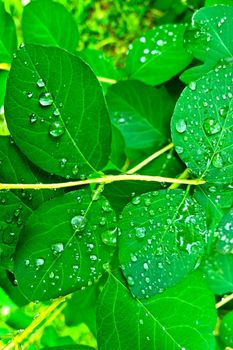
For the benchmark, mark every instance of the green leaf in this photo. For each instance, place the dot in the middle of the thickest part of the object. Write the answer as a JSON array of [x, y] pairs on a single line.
[[202, 126], [13, 214], [162, 239], [183, 317], [210, 38], [139, 112], [56, 112], [102, 66], [3, 79], [225, 234], [226, 329], [209, 3], [10, 289], [118, 156], [48, 23], [8, 40], [158, 55], [65, 245], [215, 200], [15, 168], [218, 272], [70, 347]]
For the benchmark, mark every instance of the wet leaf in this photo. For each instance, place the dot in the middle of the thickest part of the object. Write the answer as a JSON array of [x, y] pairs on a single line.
[[158, 55], [162, 238], [56, 112], [202, 126], [160, 322], [226, 329], [65, 245], [8, 40]]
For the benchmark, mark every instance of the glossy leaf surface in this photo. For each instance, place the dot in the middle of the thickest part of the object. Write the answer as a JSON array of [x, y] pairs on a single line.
[[56, 112], [8, 40]]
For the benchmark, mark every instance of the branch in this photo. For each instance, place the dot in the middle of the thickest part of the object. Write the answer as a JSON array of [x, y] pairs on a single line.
[[224, 301]]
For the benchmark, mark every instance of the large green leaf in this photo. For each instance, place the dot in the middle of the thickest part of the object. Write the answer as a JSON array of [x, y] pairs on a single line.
[[183, 317], [56, 112], [46, 22], [65, 245], [13, 214], [162, 239], [210, 39], [140, 112], [8, 39], [202, 126], [218, 272], [15, 168], [158, 55]]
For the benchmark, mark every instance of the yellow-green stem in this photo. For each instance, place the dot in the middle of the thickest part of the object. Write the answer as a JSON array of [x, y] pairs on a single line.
[[224, 301], [107, 80], [102, 180], [184, 175]]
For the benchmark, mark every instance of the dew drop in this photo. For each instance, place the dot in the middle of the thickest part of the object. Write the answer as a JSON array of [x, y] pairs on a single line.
[[217, 161], [223, 111], [57, 248], [192, 85], [56, 129], [130, 281], [39, 262], [56, 112], [136, 200], [29, 94], [40, 83], [211, 126], [109, 237], [75, 170], [181, 126], [78, 223], [33, 118], [140, 232], [45, 99]]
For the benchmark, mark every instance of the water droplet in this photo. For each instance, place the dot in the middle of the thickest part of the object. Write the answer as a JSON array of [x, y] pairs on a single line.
[[192, 85], [217, 161], [160, 42], [140, 232], [29, 94], [78, 223], [223, 111], [130, 281], [56, 129], [56, 112], [39, 262], [181, 126], [75, 170], [211, 126], [33, 118], [57, 248], [45, 99], [40, 83], [109, 237], [27, 262], [179, 149], [136, 200], [63, 162]]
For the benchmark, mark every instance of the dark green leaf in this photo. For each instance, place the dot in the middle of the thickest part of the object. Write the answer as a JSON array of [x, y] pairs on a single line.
[[56, 112], [70, 347], [202, 126], [8, 40], [11, 289], [162, 239], [46, 22], [140, 112], [210, 38], [102, 67], [183, 317], [15, 168], [158, 55], [65, 245], [225, 234], [13, 214], [3, 78]]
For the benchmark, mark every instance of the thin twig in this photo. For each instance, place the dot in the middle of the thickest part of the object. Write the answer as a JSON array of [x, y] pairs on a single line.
[[224, 301]]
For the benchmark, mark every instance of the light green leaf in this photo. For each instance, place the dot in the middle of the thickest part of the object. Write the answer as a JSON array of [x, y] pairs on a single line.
[[8, 40], [65, 245], [226, 329], [158, 55], [162, 239], [56, 112], [183, 317], [218, 272], [210, 39], [45, 22], [139, 112], [225, 234], [202, 126], [15, 168]]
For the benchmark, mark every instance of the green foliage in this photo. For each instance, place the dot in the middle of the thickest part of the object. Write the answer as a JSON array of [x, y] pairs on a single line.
[[132, 264]]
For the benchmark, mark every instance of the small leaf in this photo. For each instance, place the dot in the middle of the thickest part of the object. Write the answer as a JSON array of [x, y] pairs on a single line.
[[48, 23], [13, 214], [162, 239], [210, 39], [158, 55], [140, 113], [183, 317], [65, 245], [8, 40], [15, 168], [202, 126], [56, 112]]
